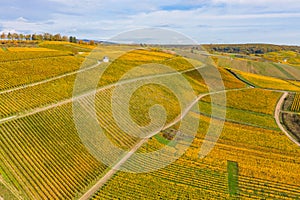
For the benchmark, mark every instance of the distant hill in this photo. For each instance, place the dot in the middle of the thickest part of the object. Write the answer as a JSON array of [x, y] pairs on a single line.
[[249, 48]]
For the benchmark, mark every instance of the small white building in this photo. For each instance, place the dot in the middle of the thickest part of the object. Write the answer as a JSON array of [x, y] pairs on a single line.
[[106, 59]]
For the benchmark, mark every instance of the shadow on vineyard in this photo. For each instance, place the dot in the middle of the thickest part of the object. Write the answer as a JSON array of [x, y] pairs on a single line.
[[292, 123]]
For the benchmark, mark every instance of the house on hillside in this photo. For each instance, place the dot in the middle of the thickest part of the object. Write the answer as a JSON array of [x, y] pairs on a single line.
[[106, 59]]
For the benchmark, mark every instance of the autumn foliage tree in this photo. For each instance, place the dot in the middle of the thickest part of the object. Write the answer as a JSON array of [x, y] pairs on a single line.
[[3, 36], [92, 42], [37, 37]]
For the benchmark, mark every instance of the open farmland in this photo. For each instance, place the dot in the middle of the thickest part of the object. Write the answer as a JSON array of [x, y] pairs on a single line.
[[43, 155]]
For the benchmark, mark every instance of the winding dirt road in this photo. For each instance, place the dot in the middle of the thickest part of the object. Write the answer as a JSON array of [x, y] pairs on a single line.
[[277, 117], [114, 170], [278, 108]]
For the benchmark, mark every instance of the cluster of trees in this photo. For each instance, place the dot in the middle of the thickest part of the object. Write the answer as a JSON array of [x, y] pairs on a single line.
[[249, 48], [72, 39], [45, 36]]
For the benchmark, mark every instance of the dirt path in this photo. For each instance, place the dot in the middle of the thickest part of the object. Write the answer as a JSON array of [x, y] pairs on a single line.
[[111, 172], [277, 117], [278, 110], [114, 170], [40, 109], [50, 79]]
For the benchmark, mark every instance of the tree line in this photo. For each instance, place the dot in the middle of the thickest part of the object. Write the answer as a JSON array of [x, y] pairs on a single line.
[[37, 37], [250, 48]]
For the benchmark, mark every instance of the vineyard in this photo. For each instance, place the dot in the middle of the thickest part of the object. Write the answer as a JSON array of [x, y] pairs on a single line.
[[42, 118], [180, 180], [269, 82], [41, 137], [7, 56], [66, 46], [290, 57], [272, 69], [297, 83], [296, 103], [17, 73], [43, 157], [241, 109], [27, 49], [194, 178]]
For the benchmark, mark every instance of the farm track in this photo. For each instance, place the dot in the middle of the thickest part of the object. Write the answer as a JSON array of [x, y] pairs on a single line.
[[112, 171], [277, 118], [278, 109], [127, 156], [69, 100]]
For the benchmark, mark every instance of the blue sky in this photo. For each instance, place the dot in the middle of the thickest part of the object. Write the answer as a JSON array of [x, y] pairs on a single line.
[[206, 21]]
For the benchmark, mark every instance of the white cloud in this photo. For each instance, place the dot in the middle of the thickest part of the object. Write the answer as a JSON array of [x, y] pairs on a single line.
[[6, 31], [22, 19], [205, 20], [266, 5], [20, 25], [258, 2]]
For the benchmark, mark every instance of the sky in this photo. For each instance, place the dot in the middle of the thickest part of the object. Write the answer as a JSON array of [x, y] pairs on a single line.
[[206, 21]]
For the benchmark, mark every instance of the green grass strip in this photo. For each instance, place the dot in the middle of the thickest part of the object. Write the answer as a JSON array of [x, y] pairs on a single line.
[[233, 182]]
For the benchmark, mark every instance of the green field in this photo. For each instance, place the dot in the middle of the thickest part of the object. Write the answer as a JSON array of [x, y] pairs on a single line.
[[233, 181]]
